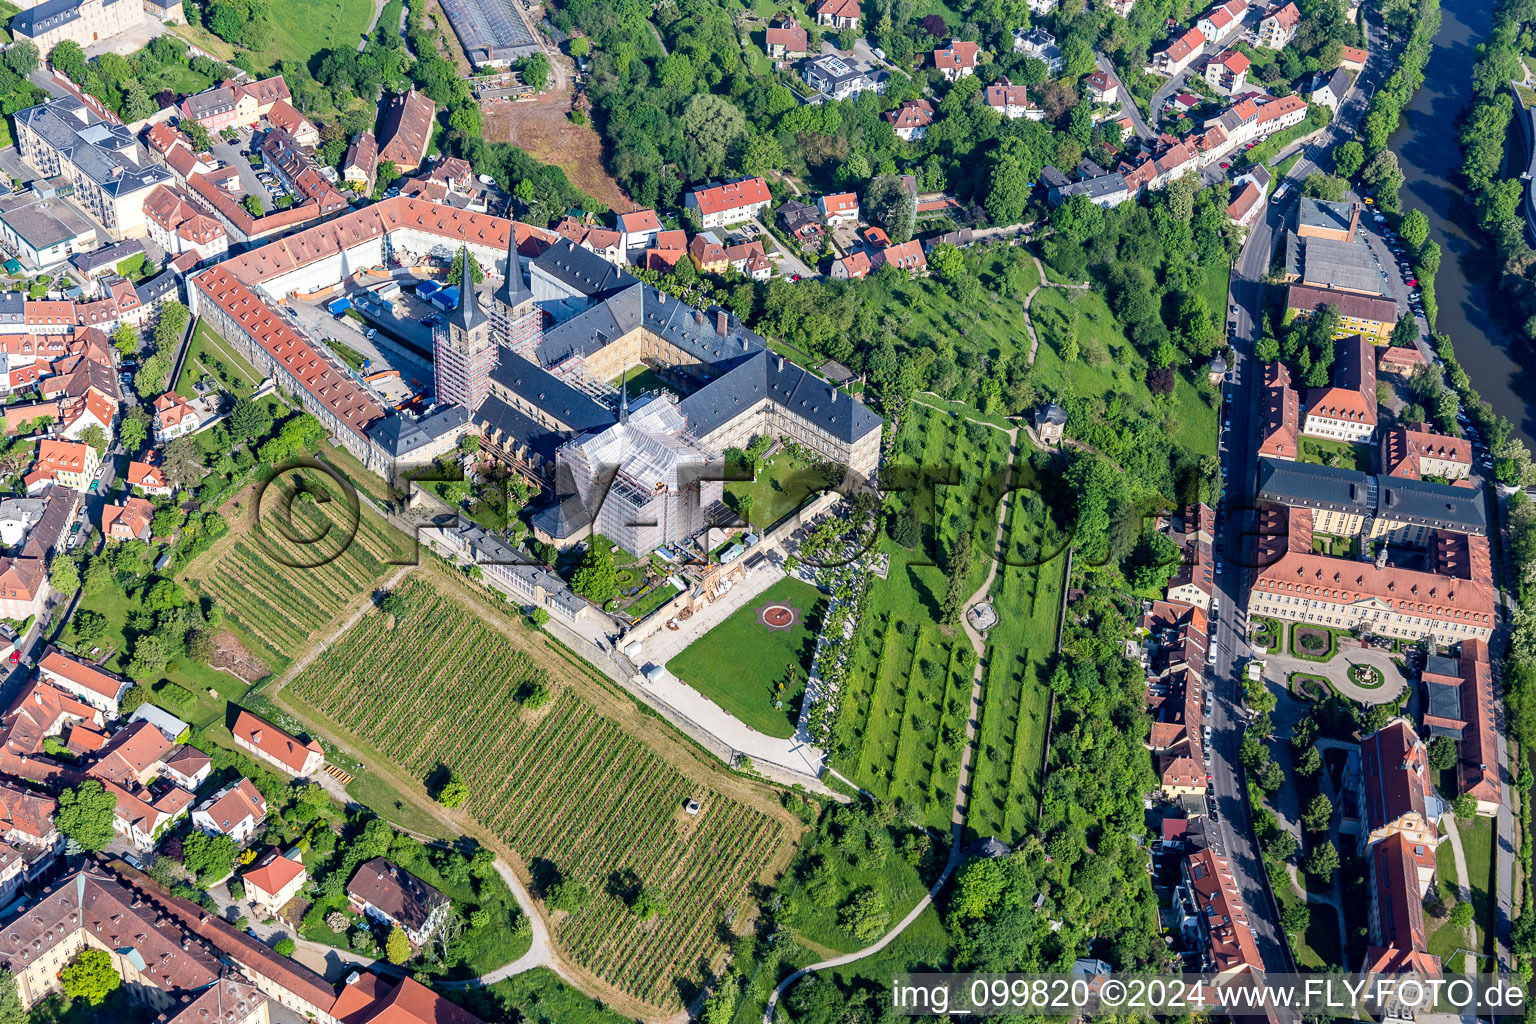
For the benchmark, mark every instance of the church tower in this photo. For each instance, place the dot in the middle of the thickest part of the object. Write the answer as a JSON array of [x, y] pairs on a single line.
[[464, 349], [517, 322]]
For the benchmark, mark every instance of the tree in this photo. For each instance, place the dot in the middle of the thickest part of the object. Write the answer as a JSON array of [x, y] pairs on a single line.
[[1318, 813], [285, 946], [69, 60], [535, 71], [648, 903], [1325, 186], [1414, 229], [90, 977], [182, 462], [1078, 218], [1442, 753], [1464, 807], [150, 656], [208, 856], [96, 436], [1405, 333], [865, 915], [1295, 918], [567, 895], [384, 176], [1384, 177], [1348, 158], [744, 508], [978, 888], [64, 574], [580, 46], [397, 948], [1310, 763], [85, 815], [456, 272], [11, 1011], [249, 419], [712, 126], [253, 206], [1461, 915], [947, 261], [1323, 861], [21, 58], [889, 206], [453, 791], [596, 579]]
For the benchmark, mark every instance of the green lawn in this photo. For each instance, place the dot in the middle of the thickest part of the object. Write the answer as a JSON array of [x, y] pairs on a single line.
[[1336, 453], [901, 728], [536, 996], [783, 484], [745, 667], [1477, 844], [117, 607], [1108, 362], [211, 355], [1445, 939], [301, 29], [894, 879]]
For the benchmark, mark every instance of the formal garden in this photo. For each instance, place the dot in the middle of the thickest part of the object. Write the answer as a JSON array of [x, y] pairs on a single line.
[[1267, 633], [1314, 643]]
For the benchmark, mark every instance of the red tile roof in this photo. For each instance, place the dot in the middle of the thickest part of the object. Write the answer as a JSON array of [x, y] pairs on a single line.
[[911, 114], [340, 395], [274, 742], [85, 676], [732, 195]]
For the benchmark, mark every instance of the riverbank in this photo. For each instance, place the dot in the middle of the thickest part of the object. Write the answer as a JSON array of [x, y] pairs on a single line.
[[1493, 354]]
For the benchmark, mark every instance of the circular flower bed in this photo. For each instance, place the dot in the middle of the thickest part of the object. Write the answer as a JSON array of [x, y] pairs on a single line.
[[1367, 677]]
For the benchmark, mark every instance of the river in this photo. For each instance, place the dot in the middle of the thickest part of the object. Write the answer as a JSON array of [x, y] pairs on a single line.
[[1501, 364]]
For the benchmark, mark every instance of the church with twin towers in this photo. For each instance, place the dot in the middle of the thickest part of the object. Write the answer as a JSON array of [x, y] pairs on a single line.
[[539, 358]]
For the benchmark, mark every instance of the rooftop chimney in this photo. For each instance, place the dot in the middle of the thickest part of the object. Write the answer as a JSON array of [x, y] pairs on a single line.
[[722, 323]]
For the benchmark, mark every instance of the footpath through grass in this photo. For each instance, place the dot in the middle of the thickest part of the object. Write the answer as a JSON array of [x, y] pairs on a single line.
[[746, 666]]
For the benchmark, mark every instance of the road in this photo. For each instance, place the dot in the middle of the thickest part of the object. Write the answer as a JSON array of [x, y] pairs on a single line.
[[1128, 106], [1228, 632], [1160, 97]]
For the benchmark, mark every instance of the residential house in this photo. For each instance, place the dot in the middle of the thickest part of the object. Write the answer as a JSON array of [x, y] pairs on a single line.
[[842, 208], [1223, 21], [957, 60], [639, 230], [1227, 72], [750, 260], [1041, 45], [1102, 87], [69, 464], [236, 811], [1327, 88], [1178, 54], [274, 882], [804, 222], [83, 681], [146, 475], [174, 417], [276, 747], [394, 896], [285, 118], [1119, 8], [787, 41], [177, 224], [1279, 27], [405, 130], [143, 815], [838, 14], [1352, 58], [235, 104], [1246, 206], [729, 203], [1012, 101], [368, 998], [1042, 7], [838, 79], [1345, 410], [911, 120], [851, 267], [1279, 414], [1228, 946], [188, 767], [1358, 314], [128, 521], [707, 254], [134, 756], [1414, 452], [361, 164], [907, 256]]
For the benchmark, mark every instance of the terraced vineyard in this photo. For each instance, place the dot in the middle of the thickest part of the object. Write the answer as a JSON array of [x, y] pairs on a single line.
[[292, 563], [564, 784]]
